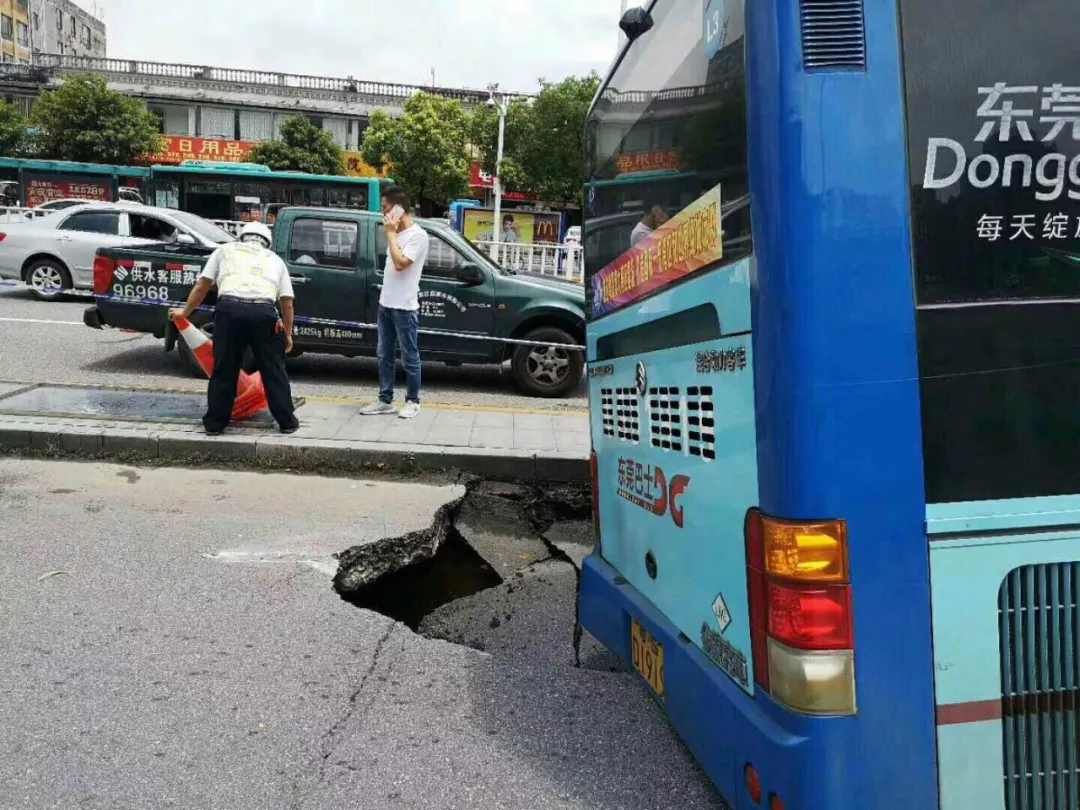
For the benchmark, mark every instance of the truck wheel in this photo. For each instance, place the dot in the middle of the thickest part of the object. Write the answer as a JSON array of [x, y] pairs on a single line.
[[193, 366], [547, 371], [47, 279]]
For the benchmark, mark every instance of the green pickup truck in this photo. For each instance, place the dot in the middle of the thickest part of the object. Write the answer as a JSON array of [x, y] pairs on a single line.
[[336, 259]]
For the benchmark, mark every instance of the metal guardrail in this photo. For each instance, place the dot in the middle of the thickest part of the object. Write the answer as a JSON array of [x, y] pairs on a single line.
[[560, 261], [15, 213], [150, 70]]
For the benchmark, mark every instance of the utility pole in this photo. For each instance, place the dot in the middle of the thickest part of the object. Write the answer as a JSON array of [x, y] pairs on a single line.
[[501, 104]]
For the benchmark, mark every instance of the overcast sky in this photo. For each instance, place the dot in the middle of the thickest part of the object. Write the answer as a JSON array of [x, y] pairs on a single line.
[[469, 43]]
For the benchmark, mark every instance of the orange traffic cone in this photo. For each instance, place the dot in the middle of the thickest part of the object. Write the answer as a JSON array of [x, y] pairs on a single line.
[[250, 392], [199, 344]]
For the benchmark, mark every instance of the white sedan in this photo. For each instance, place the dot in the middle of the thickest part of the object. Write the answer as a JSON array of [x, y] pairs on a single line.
[[56, 252]]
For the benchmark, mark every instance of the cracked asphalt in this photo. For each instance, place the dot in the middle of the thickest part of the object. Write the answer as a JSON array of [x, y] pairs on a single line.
[[170, 638]]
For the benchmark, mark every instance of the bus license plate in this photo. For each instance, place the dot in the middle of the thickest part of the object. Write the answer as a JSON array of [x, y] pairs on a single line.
[[648, 657]]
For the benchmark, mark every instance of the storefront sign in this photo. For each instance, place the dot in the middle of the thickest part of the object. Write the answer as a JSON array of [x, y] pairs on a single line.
[[669, 160], [517, 227], [687, 243], [40, 190], [179, 148], [356, 166], [478, 178]]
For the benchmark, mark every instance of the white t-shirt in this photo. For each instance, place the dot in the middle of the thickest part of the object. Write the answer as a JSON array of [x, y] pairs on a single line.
[[269, 277], [401, 288], [641, 230]]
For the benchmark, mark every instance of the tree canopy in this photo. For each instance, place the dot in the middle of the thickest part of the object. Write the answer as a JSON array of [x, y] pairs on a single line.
[[425, 151], [13, 137], [544, 140], [302, 147], [83, 120]]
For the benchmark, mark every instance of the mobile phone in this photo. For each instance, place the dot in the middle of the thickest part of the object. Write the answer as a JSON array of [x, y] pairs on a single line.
[[396, 213]]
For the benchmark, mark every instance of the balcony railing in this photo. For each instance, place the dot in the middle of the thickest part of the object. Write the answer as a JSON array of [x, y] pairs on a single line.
[[151, 70]]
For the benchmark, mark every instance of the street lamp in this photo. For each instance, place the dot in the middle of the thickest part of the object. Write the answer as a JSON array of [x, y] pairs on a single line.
[[500, 103]]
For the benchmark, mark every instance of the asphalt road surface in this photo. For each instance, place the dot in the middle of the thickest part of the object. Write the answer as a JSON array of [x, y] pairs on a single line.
[[47, 342], [169, 638]]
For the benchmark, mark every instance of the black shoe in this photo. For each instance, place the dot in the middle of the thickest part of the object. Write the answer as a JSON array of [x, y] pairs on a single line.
[[289, 430], [214, 432]]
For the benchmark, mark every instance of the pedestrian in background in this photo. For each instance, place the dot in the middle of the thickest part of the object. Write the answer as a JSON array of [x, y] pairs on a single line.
[[251, 281], [399, 304]]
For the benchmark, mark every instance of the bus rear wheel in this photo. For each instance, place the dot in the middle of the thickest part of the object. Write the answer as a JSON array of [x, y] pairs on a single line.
[[546, 369]]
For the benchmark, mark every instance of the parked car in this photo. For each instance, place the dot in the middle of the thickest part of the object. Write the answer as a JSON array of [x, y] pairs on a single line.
[[55, 253], [336, 260]]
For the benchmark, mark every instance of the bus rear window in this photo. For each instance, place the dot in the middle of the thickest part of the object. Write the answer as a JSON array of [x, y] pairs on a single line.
[[668, 133]]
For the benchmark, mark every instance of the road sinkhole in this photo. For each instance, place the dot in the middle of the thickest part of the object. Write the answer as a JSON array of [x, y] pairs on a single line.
[[409, 594], [484, 541]]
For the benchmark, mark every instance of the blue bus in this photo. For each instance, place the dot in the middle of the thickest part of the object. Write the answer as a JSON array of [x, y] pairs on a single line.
[[834, 382]]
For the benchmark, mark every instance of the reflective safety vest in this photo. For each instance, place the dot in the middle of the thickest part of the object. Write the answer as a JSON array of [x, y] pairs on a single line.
[[248, 271]]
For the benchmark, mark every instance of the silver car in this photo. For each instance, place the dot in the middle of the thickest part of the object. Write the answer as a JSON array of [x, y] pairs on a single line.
[[55, 253]]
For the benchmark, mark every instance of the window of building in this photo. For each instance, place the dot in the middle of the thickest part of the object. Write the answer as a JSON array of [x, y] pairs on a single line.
[[256, 125], [323, 242], [22, 34], [174, 119], [37, 22], [74, 25], [85, 36], [7, 30], [217, 122], [60, 21]]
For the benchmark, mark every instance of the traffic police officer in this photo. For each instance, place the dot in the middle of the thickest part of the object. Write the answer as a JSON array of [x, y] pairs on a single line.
[[251, 281]]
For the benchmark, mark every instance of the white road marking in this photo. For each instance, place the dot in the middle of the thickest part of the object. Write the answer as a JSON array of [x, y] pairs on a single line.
[[40, 320]]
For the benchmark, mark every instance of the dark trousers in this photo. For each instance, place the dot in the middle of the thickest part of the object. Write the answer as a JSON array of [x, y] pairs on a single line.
[[238, 325]]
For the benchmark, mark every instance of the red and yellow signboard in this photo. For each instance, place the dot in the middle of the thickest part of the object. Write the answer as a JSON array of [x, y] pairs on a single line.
[[690, 241], [41, 190], [356, 166], [179, 148], [669, 160]]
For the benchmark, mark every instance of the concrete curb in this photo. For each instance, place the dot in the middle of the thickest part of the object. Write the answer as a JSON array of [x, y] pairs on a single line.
[[276, 452]]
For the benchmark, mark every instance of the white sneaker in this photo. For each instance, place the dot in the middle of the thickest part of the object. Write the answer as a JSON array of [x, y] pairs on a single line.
[[410, 411], [377, 409]]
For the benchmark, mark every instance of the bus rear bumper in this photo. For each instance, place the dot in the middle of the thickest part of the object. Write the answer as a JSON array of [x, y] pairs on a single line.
[[723, 727]]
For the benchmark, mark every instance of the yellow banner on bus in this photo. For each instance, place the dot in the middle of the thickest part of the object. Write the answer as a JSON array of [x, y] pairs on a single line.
[[690, 241]]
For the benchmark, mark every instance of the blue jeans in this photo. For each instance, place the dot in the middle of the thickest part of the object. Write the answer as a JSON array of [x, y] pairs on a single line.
[[398, 326]]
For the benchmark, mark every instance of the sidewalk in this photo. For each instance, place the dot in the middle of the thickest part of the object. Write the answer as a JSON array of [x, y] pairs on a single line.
[[164, 426]]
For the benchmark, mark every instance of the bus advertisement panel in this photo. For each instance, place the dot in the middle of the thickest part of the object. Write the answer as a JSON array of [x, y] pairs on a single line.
[[690, 241]]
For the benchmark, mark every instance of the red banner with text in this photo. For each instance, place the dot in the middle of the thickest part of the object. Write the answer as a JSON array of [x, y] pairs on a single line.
[[179, 148]]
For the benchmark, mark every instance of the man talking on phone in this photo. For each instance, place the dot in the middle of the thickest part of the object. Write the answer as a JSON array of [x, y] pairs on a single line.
[[399, 304]]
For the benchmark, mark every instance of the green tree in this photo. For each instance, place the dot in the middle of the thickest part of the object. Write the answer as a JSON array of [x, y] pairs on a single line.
[[302, 147], [425, 151], [13, 138], [84, 120], [544, 141]]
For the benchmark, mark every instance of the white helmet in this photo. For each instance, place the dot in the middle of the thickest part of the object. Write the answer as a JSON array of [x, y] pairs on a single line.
[[256, 229]]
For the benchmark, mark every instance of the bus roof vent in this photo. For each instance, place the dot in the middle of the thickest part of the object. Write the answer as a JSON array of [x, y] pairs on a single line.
[[833, 34]]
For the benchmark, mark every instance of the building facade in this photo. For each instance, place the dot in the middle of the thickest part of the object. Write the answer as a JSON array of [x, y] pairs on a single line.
[[15, 32], [212, 113], [62, 27]]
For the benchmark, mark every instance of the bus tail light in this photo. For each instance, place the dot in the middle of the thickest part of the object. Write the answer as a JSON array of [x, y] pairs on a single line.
[[801, 631]]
